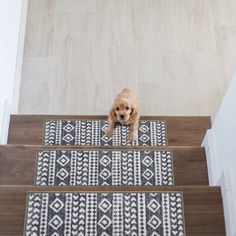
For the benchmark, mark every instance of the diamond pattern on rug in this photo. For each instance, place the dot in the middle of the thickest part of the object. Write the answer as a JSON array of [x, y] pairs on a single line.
[[75, 213], [76, 167], [62, 132]]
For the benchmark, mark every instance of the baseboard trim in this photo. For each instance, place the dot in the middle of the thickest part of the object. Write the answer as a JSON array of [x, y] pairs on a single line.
[[223, 180], [5, 122], [19, 59], [208, 144], [228, 203]]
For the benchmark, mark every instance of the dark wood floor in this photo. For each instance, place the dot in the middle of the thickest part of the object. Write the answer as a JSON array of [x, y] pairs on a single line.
[[182, 131], [202, 207], [17, 164]]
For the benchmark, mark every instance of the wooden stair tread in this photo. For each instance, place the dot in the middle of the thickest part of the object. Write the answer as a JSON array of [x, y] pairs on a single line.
[[182, 131], [202, 206], [17, 164]]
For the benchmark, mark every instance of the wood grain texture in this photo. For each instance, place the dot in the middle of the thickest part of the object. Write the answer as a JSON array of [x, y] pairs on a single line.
[[182, 131], [18, 164], [202, 207], [173, 53], [40, 28]]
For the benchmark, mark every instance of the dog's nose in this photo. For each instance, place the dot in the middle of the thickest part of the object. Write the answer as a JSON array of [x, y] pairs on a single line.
[[122, 117]]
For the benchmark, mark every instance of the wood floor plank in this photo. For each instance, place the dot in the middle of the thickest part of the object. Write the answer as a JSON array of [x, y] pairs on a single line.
[[17, 164], [182, 131], [202, 206]]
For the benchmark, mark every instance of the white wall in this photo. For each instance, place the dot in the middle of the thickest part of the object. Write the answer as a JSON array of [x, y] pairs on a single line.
[[220, 144], [12, 15]]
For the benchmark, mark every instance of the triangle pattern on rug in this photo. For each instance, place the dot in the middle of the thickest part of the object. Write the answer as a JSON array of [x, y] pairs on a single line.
[[103, 167], [92, 132], [130, 213]]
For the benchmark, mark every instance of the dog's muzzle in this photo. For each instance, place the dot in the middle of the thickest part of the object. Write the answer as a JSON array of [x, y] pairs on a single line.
[[122, 117]]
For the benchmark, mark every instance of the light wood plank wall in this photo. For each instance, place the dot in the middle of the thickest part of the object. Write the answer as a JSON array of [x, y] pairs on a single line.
[[177, 55]]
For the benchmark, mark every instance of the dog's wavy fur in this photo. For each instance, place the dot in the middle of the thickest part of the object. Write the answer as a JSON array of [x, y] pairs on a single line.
[[125, 110]]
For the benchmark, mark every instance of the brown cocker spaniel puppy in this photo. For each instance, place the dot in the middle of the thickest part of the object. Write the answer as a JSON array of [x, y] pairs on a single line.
[[125, 110]]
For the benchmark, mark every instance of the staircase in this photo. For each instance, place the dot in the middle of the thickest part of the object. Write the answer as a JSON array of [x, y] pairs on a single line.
[[202, 204]]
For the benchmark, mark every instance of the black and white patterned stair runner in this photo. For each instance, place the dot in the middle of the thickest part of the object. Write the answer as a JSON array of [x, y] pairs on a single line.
[[63, 132], [77, 167], [105, 214]]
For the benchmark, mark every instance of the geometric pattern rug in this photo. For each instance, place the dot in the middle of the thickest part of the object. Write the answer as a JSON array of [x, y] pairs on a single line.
[[78, 167], [92, 132], [106, 214]]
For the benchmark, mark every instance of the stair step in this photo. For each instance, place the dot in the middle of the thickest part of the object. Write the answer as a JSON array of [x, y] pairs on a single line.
[[99, 213], [203, 210], [18, 163], [181, 131]]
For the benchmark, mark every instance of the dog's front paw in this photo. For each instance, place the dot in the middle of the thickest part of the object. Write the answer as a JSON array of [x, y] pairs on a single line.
[[109, 133], [133, 137]]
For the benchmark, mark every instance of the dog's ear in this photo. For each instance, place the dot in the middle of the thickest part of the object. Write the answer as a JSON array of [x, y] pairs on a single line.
[[134, 113], [112, 114]]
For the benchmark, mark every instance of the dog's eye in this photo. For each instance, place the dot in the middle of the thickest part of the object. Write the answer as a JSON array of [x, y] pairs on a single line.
[[117, 108], [127, 108]]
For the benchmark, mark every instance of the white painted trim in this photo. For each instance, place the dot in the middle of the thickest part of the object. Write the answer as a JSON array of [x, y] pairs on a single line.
[[224, 181], [5, 122], [11, 103], [19, 60], [228, 202], [208, 143]]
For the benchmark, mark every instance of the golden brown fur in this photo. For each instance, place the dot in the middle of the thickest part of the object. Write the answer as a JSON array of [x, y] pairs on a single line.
[[125, 110]]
